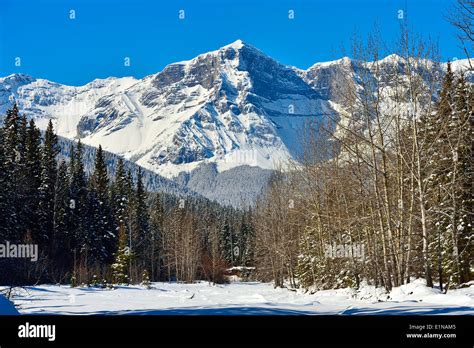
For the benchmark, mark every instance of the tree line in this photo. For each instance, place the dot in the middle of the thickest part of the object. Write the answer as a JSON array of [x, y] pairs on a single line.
[[92, 228]]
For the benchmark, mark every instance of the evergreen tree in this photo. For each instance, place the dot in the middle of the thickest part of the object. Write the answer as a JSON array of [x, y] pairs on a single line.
[[4, 190], [246, 240], [32, 182], [102, 226], [78, 195], [61, 252], [140, 220], [99, 177], [227, 241], [146, 279], [437, 160], [461, 133], [130, 188], [12, 192], [122, 259], [12, 158], [49, 152], [23, 205], [10, 126], [449, 187], [120, 195]]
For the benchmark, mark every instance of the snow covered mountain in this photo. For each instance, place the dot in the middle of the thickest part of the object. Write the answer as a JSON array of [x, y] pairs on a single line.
[[231, 107], [234, 106]]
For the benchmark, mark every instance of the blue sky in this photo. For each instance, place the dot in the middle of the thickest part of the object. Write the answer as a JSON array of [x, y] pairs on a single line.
[[104, 32]]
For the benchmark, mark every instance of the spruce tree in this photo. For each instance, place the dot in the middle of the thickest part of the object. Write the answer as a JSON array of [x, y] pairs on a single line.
[[227, 240], [78, 195], [12, 157], [437, 159], [102, 226], [12, 198], [32, 182], [61, 251], [122, 259], [146, 280], [120, 195], [140, 220], [246, 240], [461, 132], [23, 204], [49, 152], [448, 157], [4, 193]]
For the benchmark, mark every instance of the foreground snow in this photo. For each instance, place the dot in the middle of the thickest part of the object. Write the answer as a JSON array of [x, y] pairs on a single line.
[[240, 299]]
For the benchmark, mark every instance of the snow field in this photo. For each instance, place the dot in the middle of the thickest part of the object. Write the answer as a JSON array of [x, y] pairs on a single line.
[[240, 298]]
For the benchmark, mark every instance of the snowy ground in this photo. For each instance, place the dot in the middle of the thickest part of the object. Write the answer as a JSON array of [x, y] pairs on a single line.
[[240, 299]]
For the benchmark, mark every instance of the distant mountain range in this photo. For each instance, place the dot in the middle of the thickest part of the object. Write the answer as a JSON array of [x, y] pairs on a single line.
[[234, 109]]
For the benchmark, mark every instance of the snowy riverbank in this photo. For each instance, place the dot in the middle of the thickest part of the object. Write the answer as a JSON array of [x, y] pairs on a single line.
[[240, 299]]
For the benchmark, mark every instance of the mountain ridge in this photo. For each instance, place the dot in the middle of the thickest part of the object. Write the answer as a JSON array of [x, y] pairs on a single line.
[[232, 106]]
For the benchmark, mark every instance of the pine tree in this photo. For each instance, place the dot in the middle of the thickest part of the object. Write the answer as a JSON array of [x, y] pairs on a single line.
[[130, 189], [4, 192], [102, 228], [228, 240], [64, 240], [11, 168], [99, 177], [119, 195], [22, 203], [78, 203], [449, 187], [11, 132], [140, 220], [49, 152], [146, 279], [466, 242], [246, 240], [436, 156], [461, 193], [32, 182], [122, 259]]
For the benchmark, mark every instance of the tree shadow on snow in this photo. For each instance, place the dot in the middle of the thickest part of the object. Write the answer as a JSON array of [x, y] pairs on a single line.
[[196, 311], [407, 310]]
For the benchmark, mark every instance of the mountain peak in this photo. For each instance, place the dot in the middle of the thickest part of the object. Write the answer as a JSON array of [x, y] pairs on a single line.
[[19, 78], [341, 61], [235, 46], [238, 44], [392, 58]]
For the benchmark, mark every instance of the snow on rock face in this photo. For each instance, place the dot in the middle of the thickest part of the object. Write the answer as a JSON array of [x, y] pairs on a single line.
[[233, 106], [223, 106], [44, 100]]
